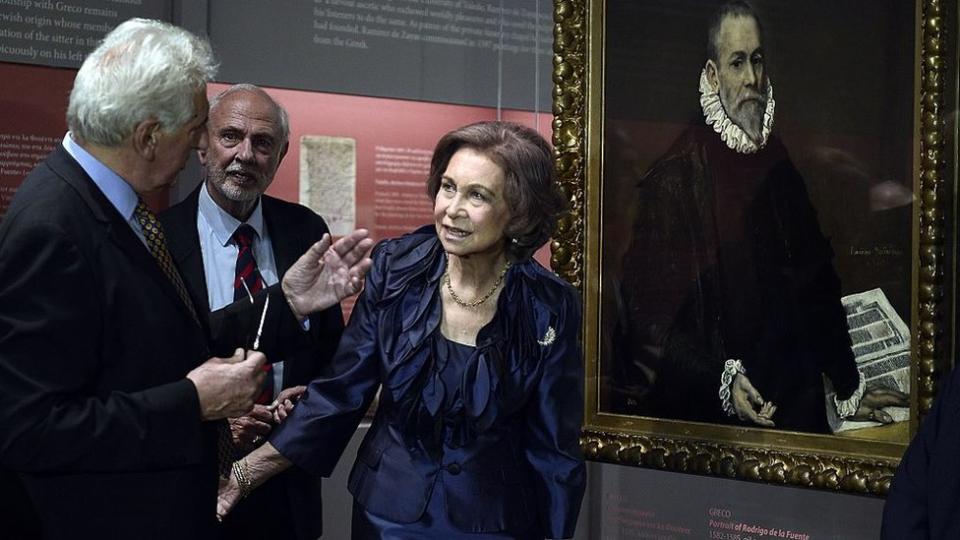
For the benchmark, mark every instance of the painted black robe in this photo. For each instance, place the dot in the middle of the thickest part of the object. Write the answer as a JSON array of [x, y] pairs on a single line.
[[727, 260]]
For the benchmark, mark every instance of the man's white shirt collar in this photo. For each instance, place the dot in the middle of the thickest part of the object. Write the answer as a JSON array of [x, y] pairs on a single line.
[[222, 224]]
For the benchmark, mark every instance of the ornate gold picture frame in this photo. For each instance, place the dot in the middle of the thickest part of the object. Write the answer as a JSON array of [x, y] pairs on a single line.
[[881, 190]]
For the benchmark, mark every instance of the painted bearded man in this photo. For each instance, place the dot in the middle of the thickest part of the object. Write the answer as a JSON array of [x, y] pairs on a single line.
[[731, 304]]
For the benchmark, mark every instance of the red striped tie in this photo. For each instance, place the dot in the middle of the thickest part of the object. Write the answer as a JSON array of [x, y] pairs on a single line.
[[247, 272]]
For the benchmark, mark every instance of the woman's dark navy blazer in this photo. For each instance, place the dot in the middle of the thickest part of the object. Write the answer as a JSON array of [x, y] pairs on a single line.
[[511, 458]]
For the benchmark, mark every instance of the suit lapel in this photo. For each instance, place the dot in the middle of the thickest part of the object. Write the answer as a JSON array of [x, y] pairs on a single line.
[[118, 230], [284, 236], [180, 225]]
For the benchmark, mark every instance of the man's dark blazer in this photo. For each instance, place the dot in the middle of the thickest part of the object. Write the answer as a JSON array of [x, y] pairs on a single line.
[[925, 492], [96, 414], [288, 505]]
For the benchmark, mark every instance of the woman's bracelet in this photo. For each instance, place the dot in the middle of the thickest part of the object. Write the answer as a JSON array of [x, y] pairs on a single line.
[[242, 474]]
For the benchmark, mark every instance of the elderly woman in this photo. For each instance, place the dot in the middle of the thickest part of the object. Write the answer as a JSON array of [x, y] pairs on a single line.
[[475, 346]]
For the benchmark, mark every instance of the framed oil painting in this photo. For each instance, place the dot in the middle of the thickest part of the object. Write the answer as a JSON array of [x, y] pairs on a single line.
[[762, 228]]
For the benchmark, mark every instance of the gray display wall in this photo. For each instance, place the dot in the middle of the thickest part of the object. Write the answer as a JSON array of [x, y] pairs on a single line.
[[470, 52], [491, 53], [630, 504], [61, 33]]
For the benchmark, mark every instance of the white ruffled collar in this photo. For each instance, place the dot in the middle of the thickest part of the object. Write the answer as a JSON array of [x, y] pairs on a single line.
[[732, 134]]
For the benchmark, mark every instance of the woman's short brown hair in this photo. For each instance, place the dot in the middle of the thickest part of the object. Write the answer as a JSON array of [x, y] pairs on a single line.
[[530, 189]]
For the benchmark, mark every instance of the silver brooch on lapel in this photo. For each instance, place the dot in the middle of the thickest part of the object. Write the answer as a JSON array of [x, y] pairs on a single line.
[[549, 337]]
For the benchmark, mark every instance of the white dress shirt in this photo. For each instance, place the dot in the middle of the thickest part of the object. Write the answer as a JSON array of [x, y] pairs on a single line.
[[216, 228]]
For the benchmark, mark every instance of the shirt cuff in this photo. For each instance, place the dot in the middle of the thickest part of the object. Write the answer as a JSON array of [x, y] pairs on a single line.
[[730, 370], [848, 407]]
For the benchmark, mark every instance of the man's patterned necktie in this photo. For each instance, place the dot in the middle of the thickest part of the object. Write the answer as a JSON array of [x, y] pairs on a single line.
[[157, 245], [248, 273]]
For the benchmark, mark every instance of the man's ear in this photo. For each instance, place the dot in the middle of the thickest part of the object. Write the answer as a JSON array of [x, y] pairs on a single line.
[[145, 135], [713, 77], [202, 156], [283, 152]]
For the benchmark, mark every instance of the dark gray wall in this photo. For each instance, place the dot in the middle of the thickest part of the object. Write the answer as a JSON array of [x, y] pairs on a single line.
[[450, 51], [627, 503], [61, 33]]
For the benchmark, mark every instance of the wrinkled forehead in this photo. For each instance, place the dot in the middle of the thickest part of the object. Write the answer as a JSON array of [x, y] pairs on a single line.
[[738, 34], [246, 109]]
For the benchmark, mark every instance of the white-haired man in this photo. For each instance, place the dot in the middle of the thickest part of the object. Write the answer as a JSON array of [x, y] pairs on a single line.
[[110, 410], [228, 233]]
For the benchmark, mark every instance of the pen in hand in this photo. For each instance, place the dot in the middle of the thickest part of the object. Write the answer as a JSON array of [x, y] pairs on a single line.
[[263, 317]]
